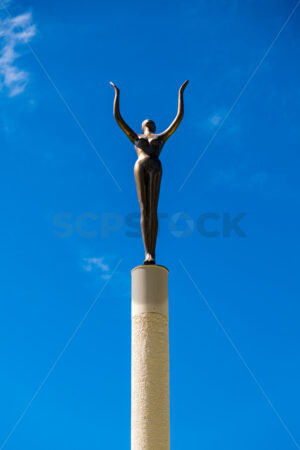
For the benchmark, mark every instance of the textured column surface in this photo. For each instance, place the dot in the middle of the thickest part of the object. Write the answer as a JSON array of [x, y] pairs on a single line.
[[150, 409]]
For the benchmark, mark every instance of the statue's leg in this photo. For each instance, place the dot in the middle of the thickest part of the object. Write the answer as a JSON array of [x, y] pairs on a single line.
[[154, 188], [142, 181]]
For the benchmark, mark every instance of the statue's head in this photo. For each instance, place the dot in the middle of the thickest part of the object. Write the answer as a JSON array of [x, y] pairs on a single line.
[[148, 124]]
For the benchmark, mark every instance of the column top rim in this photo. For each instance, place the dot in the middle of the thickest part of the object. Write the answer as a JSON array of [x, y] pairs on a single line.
[[150, 267]]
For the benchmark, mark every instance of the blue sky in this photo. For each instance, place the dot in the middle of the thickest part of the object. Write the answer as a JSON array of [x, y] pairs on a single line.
[[69, 213]]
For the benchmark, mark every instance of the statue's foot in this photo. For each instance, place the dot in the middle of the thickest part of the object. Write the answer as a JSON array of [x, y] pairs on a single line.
[[149, 259]]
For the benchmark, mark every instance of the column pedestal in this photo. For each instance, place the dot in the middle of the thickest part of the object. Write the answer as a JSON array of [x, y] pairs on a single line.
[[150, 404]]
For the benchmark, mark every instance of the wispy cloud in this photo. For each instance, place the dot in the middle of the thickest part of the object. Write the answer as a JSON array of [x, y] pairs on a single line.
[[4, 4], [97, 264], [214, 120], [101, 268], [15, 32]]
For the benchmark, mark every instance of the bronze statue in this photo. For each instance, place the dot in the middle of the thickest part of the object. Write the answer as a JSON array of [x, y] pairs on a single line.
[[147, 169]]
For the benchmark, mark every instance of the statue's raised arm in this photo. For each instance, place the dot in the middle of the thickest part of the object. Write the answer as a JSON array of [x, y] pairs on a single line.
[[175, 124], [119, 119]]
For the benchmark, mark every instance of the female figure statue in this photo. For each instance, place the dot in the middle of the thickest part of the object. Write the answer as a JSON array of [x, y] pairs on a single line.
[[147, 169]]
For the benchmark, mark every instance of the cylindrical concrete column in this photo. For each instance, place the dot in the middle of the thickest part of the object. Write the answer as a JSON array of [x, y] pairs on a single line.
[[150, 404]]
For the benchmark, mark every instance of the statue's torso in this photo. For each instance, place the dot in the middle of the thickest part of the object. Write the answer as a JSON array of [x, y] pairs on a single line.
[[148, 147]]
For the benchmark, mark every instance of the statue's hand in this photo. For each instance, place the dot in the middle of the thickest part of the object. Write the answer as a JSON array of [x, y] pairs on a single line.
[[114, 86], [184, 85]]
